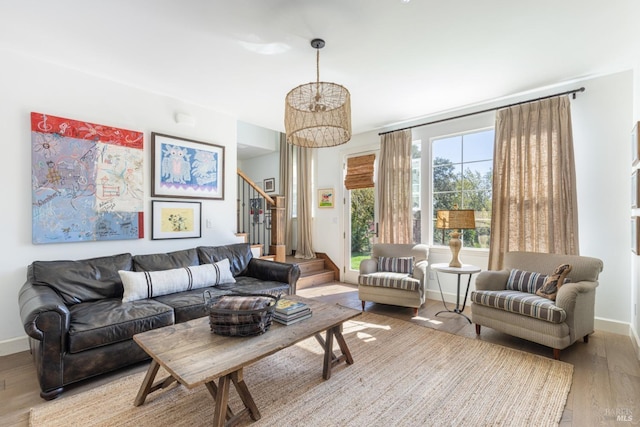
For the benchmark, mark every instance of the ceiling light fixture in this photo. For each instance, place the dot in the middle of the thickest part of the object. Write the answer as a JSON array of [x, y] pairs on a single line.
[[318, 114]]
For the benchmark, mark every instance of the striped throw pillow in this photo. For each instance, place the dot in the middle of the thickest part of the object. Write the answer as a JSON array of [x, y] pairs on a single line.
[[396, 264], [148, 284], [525, 281]]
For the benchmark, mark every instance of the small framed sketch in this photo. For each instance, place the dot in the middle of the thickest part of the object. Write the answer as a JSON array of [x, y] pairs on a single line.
[[635, 189], [326, 198], [184, 168], [269, 185], [635, 238], [175, 220], [635, 145]]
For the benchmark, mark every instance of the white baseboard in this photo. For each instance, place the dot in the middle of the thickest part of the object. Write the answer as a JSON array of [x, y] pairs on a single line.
[[14, 345], [613, 326], [635, 340]]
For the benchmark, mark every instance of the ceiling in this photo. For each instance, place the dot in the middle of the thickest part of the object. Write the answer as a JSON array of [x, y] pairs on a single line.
[[400, 60]]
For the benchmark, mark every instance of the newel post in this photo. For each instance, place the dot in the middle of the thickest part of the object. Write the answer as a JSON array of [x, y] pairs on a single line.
[[277, 246]]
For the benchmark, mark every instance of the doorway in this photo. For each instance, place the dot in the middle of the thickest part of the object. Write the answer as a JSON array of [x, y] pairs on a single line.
[[361, 218]]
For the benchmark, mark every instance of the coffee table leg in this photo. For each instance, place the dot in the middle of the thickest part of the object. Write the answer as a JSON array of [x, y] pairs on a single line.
[[343, 345], [222, 401], [330, 359], [243, 391], [213, 390], [328, 355], [145, 388]]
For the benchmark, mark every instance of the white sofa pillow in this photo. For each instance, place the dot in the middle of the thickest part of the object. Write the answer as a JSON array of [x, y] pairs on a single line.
[[148, 284]]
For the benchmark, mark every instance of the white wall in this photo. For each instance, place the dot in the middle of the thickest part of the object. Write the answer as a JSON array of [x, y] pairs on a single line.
[[635, 260], [29, 85], [601, 117]]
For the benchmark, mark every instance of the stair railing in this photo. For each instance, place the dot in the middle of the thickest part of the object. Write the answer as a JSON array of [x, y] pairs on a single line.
[[261, 217]]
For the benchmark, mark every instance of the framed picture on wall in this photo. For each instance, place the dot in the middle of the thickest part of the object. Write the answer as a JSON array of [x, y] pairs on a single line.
[[635, 145], [635, 189], [184, 168], [635, 238], [326, 198], [269, 185], [175, 220]]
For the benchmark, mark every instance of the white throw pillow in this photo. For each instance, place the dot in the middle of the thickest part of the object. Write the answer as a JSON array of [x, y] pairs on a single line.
[[148, 284]]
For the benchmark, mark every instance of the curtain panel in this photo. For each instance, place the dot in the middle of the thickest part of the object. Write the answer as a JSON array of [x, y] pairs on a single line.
[[534, 205], [394, 188], [304, 246], [286, 188]]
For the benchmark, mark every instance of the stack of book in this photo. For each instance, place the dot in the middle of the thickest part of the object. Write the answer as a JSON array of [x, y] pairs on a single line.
[[288, 311]]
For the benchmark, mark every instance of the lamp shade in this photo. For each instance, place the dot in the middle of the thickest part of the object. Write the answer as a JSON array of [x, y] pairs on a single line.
[[318, 115], [456, 219]]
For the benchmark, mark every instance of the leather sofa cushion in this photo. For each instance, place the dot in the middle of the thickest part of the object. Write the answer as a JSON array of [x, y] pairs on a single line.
[[386, 279], [524, 303], [83, 280], [166, 261], [100, 323], [238, 254], [251, 285], [189, 305]]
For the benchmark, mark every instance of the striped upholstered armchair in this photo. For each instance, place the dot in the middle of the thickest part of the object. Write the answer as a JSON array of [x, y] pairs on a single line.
[[518, 300], [396, 274]]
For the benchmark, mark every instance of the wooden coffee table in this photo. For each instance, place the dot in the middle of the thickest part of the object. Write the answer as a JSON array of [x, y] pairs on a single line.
[[194, 356]]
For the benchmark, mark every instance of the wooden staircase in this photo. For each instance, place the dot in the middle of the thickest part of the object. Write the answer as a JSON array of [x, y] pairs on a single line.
[[314, 271]]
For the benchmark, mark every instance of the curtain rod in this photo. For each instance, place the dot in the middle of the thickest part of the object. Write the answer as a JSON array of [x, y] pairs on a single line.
[[573, 92]]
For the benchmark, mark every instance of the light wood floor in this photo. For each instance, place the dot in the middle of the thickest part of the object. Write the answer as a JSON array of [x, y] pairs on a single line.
[[606, 381]]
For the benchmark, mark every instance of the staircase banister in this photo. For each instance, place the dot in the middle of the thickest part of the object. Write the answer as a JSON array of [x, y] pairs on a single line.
[[255, 187]]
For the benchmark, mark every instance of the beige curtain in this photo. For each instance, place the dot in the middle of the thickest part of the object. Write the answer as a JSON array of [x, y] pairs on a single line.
[[534, 192], [394, 188], [286, 189], [304, 247]]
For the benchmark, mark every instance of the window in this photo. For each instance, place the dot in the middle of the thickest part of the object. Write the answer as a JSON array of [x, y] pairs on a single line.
[[462, 169], [416, 165]]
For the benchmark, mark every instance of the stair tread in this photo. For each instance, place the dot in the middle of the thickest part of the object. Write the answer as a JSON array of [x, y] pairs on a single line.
[[315, 273]]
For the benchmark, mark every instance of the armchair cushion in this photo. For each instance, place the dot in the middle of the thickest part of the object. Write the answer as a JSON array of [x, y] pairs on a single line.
[[396, 264], [387, 279], [522, 303]]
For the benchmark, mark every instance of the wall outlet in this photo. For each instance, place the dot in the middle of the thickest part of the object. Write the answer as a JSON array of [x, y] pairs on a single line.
[[208, 223]]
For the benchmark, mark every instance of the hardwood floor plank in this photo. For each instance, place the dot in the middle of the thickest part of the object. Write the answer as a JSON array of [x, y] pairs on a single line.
[[618, 359]]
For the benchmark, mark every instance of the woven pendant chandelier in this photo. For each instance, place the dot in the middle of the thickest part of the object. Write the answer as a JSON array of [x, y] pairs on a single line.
[[318, 114]]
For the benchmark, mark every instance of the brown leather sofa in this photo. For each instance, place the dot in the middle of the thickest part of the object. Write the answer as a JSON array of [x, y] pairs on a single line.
[[78, 326]]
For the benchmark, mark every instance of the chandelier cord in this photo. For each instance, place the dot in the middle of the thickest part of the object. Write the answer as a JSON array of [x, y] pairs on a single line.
[[317, 70]]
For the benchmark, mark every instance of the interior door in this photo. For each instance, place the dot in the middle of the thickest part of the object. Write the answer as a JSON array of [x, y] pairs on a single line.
[[361, 220]]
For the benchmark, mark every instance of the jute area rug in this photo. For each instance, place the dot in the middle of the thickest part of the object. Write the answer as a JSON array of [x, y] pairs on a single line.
[[403, 375]]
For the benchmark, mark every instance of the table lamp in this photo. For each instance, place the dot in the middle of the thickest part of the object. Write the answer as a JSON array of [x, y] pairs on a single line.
[[455, 219]]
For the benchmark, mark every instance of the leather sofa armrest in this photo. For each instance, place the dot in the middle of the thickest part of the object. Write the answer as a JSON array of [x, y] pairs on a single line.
[[492, 280], [368, 266], [43, 312], [274, 271]]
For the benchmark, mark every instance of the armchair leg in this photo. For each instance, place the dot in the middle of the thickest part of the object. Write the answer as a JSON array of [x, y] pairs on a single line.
[[556, 353], [363, 305], [415, 311], [585, 338], [477, 329]]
